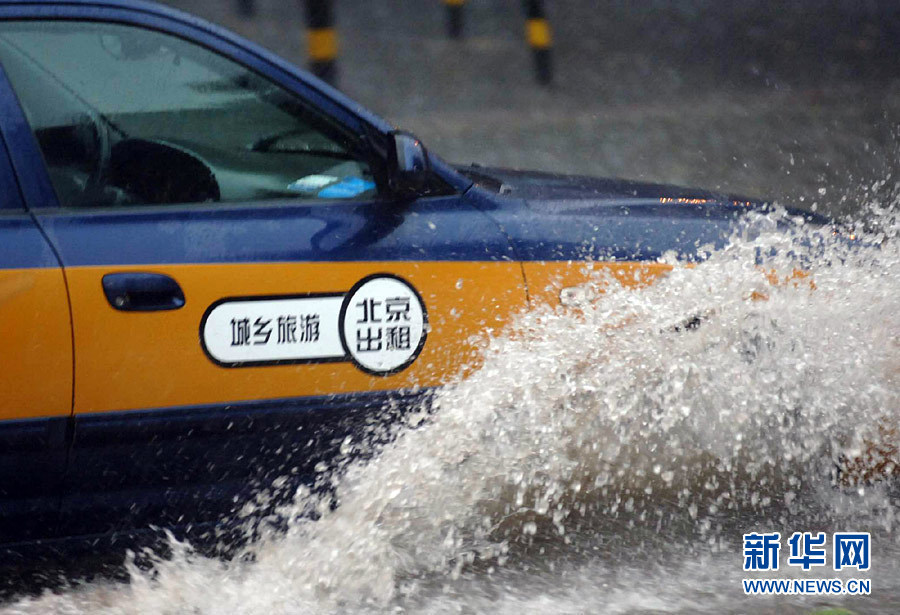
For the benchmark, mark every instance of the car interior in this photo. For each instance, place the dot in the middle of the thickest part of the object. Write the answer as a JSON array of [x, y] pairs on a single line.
[[177, 124]]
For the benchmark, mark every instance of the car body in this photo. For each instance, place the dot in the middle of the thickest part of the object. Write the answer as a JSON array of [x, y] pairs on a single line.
[[186, 317]]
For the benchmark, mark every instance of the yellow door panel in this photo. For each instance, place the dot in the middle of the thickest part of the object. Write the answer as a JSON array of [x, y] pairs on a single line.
[[35, 344], [571, 281], [132, 360]]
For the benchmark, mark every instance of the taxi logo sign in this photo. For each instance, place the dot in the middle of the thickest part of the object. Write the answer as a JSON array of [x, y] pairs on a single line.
[[380, 326], [383, 324]]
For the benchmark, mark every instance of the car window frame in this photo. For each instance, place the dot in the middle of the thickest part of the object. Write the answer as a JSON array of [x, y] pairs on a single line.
[[13, 201], [27, 158]]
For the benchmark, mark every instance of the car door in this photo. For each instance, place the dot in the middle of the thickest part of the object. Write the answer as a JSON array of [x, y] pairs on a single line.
[[242, 284], [35, 367]]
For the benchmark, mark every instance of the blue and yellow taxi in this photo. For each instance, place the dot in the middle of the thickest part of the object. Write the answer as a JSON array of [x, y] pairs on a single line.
[[213, 265]]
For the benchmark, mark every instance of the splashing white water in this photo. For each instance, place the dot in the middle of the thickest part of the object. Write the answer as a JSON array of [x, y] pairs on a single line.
[[595, 443]]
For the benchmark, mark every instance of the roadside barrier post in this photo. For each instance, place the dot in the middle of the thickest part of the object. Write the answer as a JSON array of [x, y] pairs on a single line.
[[540, 39], [322, 40], [455, 17], [246, 8]]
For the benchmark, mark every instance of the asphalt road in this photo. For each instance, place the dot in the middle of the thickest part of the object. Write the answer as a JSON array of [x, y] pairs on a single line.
[[797, 101]]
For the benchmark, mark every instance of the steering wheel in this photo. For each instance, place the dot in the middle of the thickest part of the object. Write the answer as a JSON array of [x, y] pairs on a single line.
[[98, 130]]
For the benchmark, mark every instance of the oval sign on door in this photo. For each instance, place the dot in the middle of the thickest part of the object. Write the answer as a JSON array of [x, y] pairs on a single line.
[[380, 325]]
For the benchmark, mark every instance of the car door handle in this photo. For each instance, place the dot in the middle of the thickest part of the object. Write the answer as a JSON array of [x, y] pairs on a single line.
[[142, 292]]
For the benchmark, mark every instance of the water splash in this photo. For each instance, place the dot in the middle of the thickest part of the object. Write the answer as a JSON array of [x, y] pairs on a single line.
[[597, 448]]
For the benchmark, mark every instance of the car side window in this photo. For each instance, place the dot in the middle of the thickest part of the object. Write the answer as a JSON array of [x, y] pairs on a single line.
[[126, 116]]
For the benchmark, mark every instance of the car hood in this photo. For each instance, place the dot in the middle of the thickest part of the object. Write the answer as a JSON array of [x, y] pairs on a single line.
[[561, 217], [535, 185]]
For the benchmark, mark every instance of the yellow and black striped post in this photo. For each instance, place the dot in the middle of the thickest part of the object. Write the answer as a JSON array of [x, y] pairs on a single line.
[[455, 17], [321, 39], [540, 39]]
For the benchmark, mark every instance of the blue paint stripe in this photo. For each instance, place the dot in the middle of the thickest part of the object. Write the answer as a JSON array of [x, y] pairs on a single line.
[[441, 228], [21, 244], [171, 466], [119, 426], [32, 461]]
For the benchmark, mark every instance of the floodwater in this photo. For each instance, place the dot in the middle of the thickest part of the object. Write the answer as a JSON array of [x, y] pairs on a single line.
[[602, 461], [606, 459]]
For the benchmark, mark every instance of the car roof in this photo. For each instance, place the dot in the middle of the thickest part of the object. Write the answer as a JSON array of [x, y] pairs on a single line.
[[140, 5], [144, 5], [151, 8]]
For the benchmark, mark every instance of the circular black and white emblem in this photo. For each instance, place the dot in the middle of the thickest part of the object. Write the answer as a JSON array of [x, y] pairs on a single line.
[[383, 324]]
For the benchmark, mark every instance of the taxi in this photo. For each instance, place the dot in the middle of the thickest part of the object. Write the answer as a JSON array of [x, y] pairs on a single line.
[[213, 266]]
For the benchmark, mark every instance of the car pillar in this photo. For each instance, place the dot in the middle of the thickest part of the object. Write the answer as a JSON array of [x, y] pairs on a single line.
[[455, 18], [321, 39], [540, 39]]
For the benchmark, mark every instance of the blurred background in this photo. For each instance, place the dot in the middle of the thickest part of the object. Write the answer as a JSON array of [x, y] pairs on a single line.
[[792, 100]]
